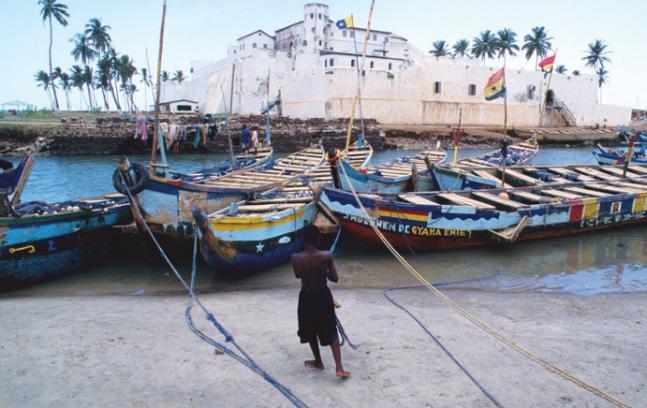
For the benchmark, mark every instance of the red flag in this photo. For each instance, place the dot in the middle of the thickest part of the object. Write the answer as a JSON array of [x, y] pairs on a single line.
[[547, 64]]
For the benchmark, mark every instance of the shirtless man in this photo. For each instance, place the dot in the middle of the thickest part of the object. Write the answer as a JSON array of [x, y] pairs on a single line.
[[316, 311]]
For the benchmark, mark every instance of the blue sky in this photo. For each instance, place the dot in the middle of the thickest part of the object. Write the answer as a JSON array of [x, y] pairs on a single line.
[[202, 29]]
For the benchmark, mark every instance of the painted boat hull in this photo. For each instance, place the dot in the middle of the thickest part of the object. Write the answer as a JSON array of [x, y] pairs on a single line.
[[448, 179], [266, 242], [371, 183], [440, 227], [607, 157], [42, 247]]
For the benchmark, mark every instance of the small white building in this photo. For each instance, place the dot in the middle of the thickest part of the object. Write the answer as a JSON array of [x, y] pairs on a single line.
[[179, 106], [312, 66]]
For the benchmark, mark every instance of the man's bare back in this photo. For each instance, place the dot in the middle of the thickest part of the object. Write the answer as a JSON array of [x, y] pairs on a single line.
[[314, 267]]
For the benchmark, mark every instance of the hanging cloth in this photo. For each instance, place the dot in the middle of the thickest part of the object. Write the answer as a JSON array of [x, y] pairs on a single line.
[[142, 128]]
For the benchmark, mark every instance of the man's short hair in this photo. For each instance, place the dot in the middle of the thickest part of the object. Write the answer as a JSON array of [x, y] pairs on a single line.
[[311, 234]]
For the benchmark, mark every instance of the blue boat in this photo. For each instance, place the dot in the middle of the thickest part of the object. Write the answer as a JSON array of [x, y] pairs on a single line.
[[40, 240], [265, 230], [618, 155]]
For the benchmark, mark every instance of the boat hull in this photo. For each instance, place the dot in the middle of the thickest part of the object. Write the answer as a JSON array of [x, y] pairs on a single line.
[[439, 227], [261, 244], [47, 246]]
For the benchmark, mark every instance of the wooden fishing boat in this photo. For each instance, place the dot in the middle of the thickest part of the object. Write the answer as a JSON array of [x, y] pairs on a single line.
[[266, 229], [394, 176], [449, 178], [40, 240], [518, 154], [618, 154], [447, 220], [166, 205]]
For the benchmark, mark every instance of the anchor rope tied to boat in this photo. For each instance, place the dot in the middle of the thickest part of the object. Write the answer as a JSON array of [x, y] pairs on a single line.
[[386, 292], [245, 358], [476, 321]]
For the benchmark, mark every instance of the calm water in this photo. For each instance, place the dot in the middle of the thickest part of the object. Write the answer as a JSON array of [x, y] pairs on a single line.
[[602, 262]]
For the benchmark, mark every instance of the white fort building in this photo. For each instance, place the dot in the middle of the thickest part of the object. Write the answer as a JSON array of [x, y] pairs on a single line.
[[311, 67]]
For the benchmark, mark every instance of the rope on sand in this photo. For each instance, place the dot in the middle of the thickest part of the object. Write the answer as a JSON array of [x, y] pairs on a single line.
[[239, 354], [475, 320]]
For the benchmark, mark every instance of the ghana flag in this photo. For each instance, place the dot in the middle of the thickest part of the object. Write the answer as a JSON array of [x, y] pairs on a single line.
[[547, 64], [495, 87]]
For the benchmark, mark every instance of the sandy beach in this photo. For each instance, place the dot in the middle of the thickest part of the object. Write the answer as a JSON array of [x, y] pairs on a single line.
[[136, 351]]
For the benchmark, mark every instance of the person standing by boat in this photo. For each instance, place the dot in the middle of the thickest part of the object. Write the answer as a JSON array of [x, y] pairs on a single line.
[[254, 143], [316, 312], [244, 138]]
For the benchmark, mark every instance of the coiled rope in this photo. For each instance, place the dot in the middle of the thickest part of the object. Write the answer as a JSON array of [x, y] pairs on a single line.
[[243, 358], [499, 336]]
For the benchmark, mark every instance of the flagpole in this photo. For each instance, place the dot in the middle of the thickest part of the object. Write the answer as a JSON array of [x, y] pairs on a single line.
[[158, 92], [543, 103], [366, 37], [505, 102], [359, 77]]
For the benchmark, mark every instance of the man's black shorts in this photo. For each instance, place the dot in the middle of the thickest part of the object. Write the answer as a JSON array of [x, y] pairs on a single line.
[[317, 316]]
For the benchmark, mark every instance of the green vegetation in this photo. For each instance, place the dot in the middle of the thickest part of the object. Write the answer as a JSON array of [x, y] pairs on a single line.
[[102, 67]]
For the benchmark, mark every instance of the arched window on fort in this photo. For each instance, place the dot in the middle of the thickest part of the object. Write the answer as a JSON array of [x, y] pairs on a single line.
[[437, 87], [312, 15], [390, 66], [471, 90], [344, 33], [332, 62], [352, 63], [372, 64], [325, 63]]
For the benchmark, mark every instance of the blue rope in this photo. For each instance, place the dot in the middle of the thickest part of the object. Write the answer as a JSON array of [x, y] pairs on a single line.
[[245, 359], [342, 333], [434, 338]]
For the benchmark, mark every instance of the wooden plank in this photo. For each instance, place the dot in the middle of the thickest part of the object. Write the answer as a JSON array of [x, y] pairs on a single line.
[[522, 177], [496, 200], [266, 207], [638, 169], [609, 188], [617, 171], [531, 197], [285, 200], [487, 175], [561, 194], [637, 187], [415, 199], [458, 199], [585, 191], [596, 173], [563, 171]]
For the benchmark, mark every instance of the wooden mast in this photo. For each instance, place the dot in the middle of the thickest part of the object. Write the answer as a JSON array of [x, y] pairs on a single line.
[[234, 163], [543, 102], [158, 92], [358, 95]]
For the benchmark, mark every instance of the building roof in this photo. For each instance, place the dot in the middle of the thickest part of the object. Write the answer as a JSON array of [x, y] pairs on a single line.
[[177, 100], [252, 33], [288, 26]]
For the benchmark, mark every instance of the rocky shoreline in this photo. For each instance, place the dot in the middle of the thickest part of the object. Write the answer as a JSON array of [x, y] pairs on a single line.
[[113, 135]]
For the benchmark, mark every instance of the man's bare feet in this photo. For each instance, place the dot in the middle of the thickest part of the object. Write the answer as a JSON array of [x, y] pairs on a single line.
[[313, 364], [343, 374]]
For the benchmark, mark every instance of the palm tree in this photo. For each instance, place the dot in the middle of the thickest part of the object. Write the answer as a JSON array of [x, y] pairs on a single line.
[[537, 43], [59, 74], [83, 51], [111, 61], [164, 76], [603, 78], [440, 49], [100, 39], [66, 84], [461, 48], [77, 81], [561, 69], [576, 73], [179, 76], [484, 46], [43, 80], [507, 44], [49, 9], [88, 80], [126, 69], [145, 81], [597, 55]]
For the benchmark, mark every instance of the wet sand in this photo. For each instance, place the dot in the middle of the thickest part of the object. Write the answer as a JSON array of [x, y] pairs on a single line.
[[137, 351]]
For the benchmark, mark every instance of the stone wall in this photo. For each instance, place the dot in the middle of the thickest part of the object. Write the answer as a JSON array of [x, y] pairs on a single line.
[[112, 135]]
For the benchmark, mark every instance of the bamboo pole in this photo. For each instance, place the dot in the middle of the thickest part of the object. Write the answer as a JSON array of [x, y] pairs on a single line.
[[158, 92], [543, 102], [234, 163], [505, 101], [359, 78], [358, 95], [456, 141]]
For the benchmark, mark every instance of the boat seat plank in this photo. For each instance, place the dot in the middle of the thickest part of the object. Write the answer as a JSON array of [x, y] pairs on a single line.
[[609, 188], [461, 200], [585, 191], [563, 171], [596, 173], [617, 171], [531, 197], [267, 207], [638, 169], [487, 175], [561, 194], [496, 200], [415, 199], [522, 177]]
